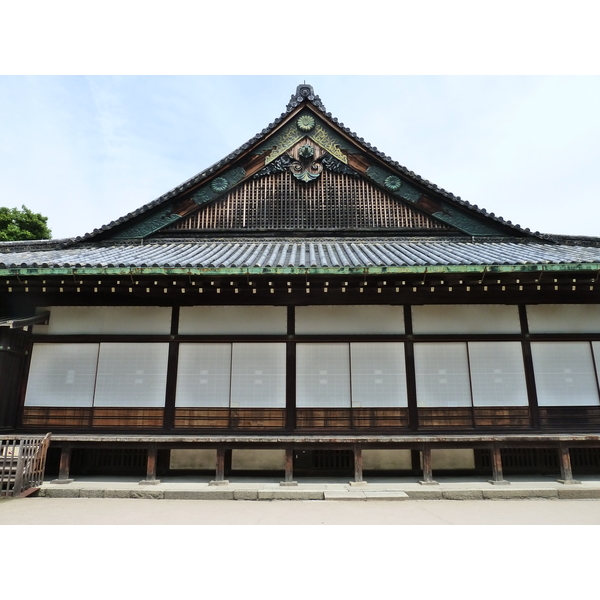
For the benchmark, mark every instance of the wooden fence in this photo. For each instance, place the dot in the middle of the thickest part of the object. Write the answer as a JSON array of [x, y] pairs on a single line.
[[22, 463]]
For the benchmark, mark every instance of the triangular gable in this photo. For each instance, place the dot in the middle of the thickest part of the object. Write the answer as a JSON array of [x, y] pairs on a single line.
[[337, 200], [308, 143]]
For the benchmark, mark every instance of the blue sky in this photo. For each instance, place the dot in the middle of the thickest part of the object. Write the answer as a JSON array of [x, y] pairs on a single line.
[[85, 150]]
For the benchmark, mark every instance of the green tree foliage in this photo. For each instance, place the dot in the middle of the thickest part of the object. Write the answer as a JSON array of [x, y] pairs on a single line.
[[22, 224]]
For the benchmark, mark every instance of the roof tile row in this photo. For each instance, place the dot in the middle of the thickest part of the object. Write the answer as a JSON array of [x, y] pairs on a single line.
[[294, 253]]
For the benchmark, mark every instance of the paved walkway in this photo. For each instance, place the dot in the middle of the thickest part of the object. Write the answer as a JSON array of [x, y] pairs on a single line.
[[382, 501], [332, 489]]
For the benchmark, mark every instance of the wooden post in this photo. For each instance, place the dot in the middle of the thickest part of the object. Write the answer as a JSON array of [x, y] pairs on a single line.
[[18, 485], [151, 467], [358, 464], [65, 464], [289, 467], [427, 466], [220, 468], [498, 477], [566, 472]]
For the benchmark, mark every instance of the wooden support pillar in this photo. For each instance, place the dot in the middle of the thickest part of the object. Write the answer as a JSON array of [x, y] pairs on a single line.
[[566, 472], [151, 467], [65, 465], [497, 475], [289, 467], [427, 466], [220, 468], [358, 465]]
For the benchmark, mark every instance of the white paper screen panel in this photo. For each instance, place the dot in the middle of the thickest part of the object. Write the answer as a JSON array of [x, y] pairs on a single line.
[[378, 374], [258, 376], [476, 318], [564, 374], [131, 375], [62, 375], [323, 376], [497, 374], [203, 375], [442, 374], [233, 320], [564, 318], [139, 320], [317, 320]]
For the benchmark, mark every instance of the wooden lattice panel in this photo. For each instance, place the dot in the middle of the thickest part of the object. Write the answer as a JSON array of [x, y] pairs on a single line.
[[280, 202], [128, 417], [515, 417], [384, 418], [56, 417], [446, 418]]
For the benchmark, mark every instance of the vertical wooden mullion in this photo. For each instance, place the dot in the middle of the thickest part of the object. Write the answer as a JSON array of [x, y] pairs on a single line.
[[91, 424], [350, 385], [230, 383], [470, 384], [172, 361], [595, 370], [290, 371], [411, 379], [15, 417], [529, 373]]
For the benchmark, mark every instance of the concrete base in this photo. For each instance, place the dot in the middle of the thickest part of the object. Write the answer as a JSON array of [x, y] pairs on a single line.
[[428, 483], [290, 495], [357, 483], [501, 482], [150, 482], [568, 481], [339, 495], [221, 482], [288, 483], [62, 481]]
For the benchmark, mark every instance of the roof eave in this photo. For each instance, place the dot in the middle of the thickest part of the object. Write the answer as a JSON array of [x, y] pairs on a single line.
[[272, 271]]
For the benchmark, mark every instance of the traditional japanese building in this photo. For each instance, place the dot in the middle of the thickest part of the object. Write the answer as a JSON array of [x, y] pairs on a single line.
[[304, 305]]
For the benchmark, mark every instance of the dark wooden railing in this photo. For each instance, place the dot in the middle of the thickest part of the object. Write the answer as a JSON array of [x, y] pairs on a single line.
[[22, 463]]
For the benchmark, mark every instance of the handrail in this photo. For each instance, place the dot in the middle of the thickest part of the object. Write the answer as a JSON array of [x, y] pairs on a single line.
[[22, 463]]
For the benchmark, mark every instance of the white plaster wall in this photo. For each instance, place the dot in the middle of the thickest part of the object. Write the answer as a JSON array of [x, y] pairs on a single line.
[[386, 459], [142, 320], [253, 460], [475, 318], [193, 459], [349, 319], [232, 320], [443, 459], [564, 318]]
